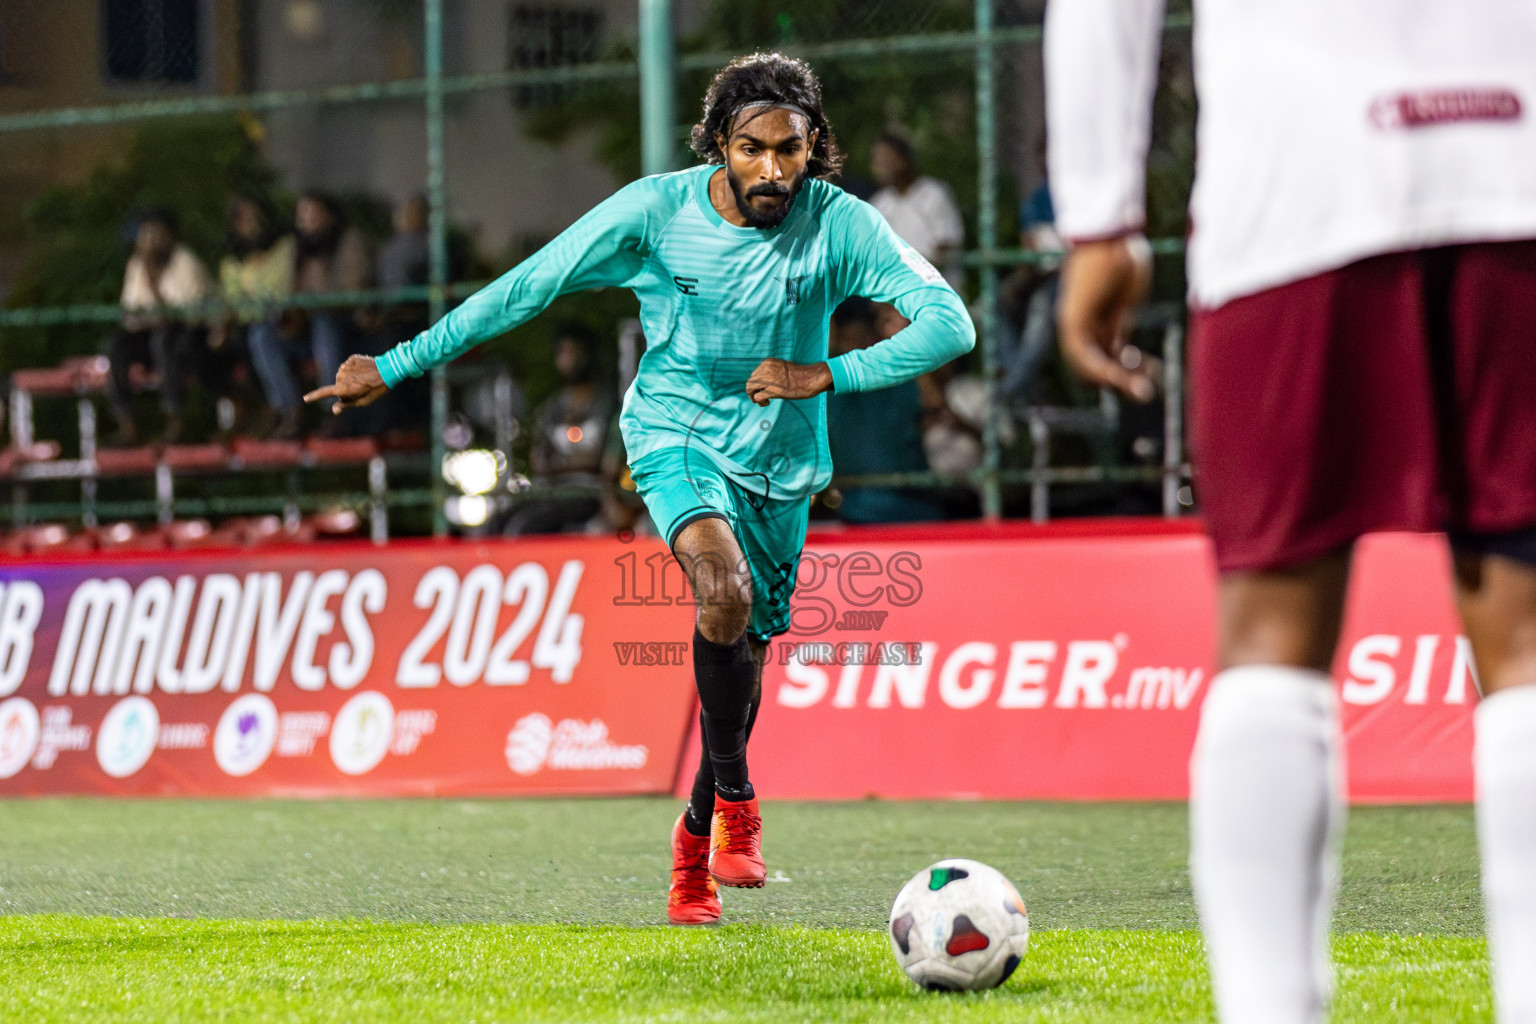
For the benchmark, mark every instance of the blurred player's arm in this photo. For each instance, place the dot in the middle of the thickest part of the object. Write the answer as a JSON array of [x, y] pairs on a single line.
[[602, 249], [1101, 71]]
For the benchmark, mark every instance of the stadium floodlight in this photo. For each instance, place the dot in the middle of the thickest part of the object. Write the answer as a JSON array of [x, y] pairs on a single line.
[[474, 470], [467, 510]]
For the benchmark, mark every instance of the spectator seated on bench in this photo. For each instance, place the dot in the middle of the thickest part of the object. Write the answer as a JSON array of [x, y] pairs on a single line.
[[331, 256], [255, 280], [156, 337]]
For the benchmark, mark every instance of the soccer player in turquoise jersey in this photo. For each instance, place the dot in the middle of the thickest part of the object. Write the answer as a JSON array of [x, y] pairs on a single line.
[[737, 268]]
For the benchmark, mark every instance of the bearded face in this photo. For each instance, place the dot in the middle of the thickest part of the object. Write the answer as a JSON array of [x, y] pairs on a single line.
[[766, 163], [766, 204]]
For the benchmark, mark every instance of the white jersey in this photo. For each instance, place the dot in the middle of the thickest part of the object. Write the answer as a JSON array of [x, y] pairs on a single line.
[[1329, 130], [926, 217]]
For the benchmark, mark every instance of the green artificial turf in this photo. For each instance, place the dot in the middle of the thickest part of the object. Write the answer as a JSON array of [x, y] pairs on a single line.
[[104, 969], [481, 910], [606, 861]]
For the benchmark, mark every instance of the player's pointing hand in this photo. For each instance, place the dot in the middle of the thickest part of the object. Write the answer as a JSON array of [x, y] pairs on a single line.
[[357, 384], [777, 378], [1101, 284]]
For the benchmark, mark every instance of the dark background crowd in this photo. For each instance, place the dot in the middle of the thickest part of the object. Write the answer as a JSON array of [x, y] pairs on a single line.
[[237, 334]]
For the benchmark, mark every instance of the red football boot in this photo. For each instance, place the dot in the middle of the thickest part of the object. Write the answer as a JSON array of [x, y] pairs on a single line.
[[692, 898], [735, 835]]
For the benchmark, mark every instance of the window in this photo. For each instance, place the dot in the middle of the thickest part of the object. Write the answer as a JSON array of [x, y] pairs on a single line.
[[151, 41], [549, 36]]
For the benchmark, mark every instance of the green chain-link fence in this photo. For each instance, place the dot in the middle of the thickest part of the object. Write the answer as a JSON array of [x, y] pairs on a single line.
[[514, 117]]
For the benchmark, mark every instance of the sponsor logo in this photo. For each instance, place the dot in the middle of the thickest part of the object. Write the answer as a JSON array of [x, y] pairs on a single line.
[[536, 743], [528, 743], [246, 734], [1414, 670], [60, 733], [686, 285], [919, 266], [410, 727], [127, 736], [20, 729], [1444, 106], [361, 733], [1024, 674], [183, 736], [298, 731], [792, 290]]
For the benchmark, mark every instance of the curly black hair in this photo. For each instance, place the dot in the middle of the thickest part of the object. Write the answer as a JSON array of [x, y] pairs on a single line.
[[765, 78]]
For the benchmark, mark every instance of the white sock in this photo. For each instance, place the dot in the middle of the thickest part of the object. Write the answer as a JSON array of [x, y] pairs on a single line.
[[1505, 761], [1265, 809]]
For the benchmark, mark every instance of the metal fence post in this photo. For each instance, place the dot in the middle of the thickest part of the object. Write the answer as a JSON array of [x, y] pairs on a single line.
[[438, 229], [658, 88], [986, 230], [1173, 417]]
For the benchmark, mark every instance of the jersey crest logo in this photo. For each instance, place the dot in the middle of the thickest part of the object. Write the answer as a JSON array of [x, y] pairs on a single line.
[[792, 290], [687, 285]]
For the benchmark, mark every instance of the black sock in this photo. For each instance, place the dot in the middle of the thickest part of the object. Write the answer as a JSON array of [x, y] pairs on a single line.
[[701, 801], [726, 675]]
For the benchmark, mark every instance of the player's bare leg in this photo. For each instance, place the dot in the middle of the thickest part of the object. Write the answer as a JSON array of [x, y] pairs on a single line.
[[728, 673], [1497, 598], [1291, 617], [1264, 805]]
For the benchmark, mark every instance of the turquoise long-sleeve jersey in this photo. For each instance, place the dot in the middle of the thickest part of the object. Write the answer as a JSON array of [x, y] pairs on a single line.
[[715, 301]]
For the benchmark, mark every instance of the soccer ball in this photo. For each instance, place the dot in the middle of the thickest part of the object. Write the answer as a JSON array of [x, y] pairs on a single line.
[[959, 925]]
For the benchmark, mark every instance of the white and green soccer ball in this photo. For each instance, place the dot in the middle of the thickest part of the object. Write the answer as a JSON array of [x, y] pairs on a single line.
[[959, 925]]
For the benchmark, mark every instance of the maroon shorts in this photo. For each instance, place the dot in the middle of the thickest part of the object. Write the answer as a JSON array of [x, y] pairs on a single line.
[[1397, 393]]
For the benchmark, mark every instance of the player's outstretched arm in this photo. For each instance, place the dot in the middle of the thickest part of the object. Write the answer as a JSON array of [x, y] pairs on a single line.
[[358, 383], [1102, 282], [602, 249]]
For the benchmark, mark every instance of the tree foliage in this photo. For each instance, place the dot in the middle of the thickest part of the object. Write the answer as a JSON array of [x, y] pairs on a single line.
[[77, 236], [928, 96]]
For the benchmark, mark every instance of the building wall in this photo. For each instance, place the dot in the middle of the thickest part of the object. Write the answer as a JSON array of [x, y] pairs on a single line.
[[51, 57], [504, 187]]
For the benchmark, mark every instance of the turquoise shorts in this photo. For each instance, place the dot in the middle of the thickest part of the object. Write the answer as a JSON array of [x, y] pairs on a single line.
[[683, 485]]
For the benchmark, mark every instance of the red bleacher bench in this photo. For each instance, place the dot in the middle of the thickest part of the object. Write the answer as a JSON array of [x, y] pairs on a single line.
[[252, 452], [196, 456], [35, 540], [329, 451], [189, 533], [126, 461], [78, 375], [125, 536]]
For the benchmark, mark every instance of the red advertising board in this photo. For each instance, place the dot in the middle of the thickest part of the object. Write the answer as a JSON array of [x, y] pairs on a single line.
[[1071, 664], [1011, 662], [345, 669]]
